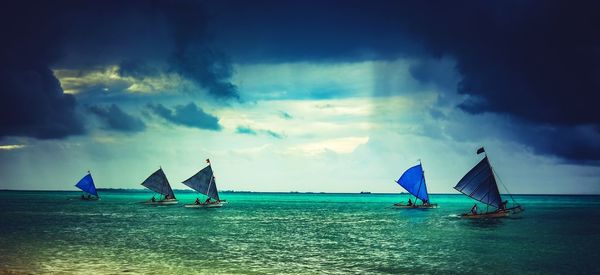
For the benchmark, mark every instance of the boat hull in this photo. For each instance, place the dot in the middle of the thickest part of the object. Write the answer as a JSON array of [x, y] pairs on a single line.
[[203, 205], [89, 199], [495, 214], [162, 202], [420, 206]]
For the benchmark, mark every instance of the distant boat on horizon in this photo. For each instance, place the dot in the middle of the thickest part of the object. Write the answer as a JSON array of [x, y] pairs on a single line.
[[480, 184], [158, 183], [86, 184], [413, 180], [204, 183], [365, 192]]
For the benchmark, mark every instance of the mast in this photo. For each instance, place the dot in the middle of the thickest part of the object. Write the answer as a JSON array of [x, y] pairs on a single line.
[[500, 180], [422, 179], [212, 176]]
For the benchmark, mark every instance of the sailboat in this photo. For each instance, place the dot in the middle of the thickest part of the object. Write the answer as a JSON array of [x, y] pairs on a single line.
[[480, 184], [204, 183], [158, 183], [86, 184], [413, 180]]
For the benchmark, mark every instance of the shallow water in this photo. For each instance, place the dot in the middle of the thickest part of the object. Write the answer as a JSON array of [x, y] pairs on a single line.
[[54, 232]]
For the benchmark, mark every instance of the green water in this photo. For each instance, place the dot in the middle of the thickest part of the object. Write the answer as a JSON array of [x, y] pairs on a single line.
[[53, 232]]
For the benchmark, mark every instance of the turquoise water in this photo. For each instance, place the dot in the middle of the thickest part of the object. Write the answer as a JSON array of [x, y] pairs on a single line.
[[53, 232]]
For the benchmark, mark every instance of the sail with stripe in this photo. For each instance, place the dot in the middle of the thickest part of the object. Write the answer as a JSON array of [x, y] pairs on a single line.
[[204, 182], [480, 184], [158, 183]]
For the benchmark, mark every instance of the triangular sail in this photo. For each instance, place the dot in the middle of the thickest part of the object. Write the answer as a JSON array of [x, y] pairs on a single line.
[[204, 182], [413, 180], [158, 183], [86, 184], [480, 184]]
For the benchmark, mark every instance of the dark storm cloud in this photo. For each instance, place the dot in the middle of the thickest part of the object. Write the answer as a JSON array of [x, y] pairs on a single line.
[[536, 61], [539, 60], [116, 119], [146, 38], [169, 36], [32, 102], [188, 115], [137, 69]]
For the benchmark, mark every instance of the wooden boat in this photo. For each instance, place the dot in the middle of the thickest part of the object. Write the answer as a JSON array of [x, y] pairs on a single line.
[[413, 180], [416, 206], [494, 214], [162, 202], [204, 183], [480, 184], [86, 184], [158, 183], [205, 205]]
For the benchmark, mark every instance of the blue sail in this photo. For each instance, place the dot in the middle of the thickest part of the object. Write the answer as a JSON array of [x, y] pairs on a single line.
[[413, 180], [86, 184], [480, 184]]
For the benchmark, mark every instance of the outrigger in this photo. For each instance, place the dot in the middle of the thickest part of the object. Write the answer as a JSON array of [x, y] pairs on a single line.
[[413, 180], [480, 184]]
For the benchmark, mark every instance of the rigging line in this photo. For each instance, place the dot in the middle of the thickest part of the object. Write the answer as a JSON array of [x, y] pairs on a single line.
[[501, 182]]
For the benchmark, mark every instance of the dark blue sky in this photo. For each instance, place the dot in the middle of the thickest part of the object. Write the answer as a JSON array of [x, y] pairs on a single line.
[[532, 65]]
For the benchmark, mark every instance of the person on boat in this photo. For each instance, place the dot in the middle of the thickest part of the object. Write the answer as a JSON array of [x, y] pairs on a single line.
[[197, 201], [153, 199], [89, 197], [503, 206], [410, 202], [474, 209], [425, 202], [166, 196], [207, 201]]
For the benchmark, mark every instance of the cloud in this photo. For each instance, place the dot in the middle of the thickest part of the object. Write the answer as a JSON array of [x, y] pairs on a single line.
[[534, 61], [345, 145], [137, 69], [188, 115], [111, 79], [32, 104], [246, 130], [116, 119], [285, 115], [11, 147]]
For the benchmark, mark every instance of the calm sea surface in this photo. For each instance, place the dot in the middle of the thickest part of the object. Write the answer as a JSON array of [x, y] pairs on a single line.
[[53, 232]]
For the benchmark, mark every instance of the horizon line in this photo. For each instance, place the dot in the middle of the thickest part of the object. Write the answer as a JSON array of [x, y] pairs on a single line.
[[292, 192]]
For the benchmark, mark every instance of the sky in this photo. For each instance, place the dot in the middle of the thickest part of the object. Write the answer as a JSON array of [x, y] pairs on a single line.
[[321, 96]]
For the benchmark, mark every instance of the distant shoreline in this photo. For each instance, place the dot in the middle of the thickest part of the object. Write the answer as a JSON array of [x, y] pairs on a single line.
[[111, 190]]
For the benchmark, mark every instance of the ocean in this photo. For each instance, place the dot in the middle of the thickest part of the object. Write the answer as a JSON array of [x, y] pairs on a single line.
[[284, 233]]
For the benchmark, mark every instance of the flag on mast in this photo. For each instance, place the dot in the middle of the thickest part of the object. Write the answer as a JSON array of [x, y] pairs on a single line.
[[480, 150]]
